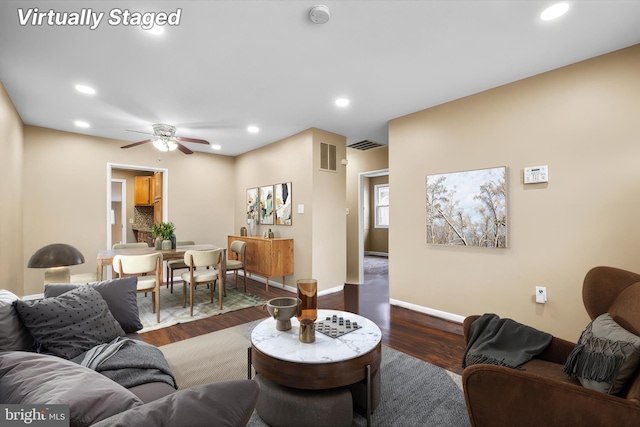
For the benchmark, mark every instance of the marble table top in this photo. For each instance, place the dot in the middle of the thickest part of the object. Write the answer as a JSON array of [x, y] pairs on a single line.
[[285, 345]]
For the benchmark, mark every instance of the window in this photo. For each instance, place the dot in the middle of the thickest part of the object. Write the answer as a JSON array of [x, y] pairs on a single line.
[[382, 205]]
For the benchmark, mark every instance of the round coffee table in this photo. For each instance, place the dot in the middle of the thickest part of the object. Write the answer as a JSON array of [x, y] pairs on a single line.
[[327, 363]]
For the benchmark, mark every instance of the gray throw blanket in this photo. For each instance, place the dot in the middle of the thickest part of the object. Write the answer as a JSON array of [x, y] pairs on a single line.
[[128, 362], [503, 342]]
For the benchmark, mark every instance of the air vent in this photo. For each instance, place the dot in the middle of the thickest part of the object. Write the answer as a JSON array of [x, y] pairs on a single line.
[[365, 145], [327, 157]]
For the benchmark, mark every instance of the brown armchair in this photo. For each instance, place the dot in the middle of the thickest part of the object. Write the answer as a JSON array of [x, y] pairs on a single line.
[[541, 394]]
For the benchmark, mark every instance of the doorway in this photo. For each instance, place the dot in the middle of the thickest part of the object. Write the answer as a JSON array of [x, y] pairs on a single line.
[[372, 235], [112, 198]]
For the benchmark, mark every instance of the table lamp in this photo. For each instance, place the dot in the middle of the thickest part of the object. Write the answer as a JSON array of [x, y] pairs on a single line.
[[56, 258]]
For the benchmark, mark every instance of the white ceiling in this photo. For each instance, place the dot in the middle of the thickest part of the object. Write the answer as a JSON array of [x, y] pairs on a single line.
[[230, 64]]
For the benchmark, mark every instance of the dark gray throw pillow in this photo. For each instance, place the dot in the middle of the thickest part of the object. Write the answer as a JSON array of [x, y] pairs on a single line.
[[40, 379], [71, 323], [13, 334], [605, 357], [120, 295]]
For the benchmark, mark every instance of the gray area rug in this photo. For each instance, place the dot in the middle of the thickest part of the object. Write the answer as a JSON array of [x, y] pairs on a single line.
[[413, 393], [375, 265]]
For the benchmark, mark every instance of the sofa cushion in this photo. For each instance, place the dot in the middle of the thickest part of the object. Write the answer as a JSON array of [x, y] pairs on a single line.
[[120, 295], [605, 357], [32, 378], [13, 334], [71, 323], [223, 404]]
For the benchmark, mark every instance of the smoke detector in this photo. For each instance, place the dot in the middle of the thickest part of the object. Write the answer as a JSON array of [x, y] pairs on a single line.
[[319, 14]]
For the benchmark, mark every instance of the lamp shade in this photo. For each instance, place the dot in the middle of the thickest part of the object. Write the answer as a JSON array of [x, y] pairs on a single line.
[[56, 255]]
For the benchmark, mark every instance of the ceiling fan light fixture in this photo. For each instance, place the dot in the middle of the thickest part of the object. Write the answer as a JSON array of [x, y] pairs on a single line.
[[160, 145]]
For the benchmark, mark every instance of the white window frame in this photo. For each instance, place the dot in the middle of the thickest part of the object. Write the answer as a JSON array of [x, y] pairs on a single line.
[[378, 205]]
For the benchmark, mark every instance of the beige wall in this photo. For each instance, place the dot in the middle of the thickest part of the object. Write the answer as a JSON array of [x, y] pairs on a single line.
[[582, 121], [359, 162], [11, 224], [65, 193], [319, 237]]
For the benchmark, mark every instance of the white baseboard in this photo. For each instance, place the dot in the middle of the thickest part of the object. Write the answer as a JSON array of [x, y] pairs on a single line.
[[427, 310], [382, 254]]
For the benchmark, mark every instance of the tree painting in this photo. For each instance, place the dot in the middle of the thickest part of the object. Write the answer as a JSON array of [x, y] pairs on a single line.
[[468, 208]]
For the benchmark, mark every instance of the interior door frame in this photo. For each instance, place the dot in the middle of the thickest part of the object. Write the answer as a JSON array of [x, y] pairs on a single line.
[[361, 201], [123, 210], [165, 193]]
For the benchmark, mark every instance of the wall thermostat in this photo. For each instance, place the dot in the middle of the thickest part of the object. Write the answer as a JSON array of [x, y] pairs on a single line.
[[536, 174]]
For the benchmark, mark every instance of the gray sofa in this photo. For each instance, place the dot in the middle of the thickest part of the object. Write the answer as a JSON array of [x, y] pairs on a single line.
[[79, 347]]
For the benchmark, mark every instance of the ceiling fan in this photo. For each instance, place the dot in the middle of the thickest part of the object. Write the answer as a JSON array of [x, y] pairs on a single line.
[[165, 139]]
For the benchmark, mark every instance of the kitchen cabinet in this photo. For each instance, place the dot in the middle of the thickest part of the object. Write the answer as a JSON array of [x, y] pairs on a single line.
[[157, 211], [144, 237], [142, 191], [157, 186], [266, 257]]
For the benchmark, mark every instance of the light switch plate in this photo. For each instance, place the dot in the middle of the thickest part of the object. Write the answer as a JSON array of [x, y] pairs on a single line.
[[300, 209]]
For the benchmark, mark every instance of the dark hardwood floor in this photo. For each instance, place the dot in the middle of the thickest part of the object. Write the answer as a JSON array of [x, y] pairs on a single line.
[[428, 338]]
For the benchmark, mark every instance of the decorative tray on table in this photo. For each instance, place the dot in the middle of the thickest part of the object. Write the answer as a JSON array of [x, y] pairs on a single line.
[[334, 326]]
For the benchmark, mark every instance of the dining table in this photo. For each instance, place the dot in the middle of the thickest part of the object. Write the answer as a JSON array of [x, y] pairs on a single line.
[[105, 257]]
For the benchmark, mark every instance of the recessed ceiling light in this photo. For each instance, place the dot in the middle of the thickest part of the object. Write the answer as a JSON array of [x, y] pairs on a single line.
[[81, 124], [216, 147], [342, 102], [253, 129], [156, 30], [85, 89], [554, 11]]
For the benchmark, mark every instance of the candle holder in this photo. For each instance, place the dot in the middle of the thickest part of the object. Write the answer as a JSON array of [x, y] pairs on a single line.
[[307, 309]]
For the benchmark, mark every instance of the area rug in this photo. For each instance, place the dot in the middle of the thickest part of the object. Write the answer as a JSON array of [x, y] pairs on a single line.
[[413, 392], [172, 313], [375, 265]]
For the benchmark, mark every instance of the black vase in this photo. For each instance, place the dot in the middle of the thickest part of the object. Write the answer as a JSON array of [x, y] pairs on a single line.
[[173, 241]]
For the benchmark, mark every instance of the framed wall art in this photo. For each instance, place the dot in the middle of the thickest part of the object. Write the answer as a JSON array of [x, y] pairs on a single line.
[[266, 205], [283, 203], [468, 208], [253, 205]]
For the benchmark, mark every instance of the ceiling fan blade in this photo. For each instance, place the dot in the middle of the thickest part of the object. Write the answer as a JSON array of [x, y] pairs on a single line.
[[136, 144], [197, 141], [138, 131], [184, 149]]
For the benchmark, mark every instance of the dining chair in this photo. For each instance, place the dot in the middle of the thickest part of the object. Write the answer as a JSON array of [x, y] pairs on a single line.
[[176, 264], [209, 263], [236, 262], [150, 266], [129, 245]]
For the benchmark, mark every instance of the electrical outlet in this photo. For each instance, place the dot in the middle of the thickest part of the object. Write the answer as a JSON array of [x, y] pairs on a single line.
[[541, 294]]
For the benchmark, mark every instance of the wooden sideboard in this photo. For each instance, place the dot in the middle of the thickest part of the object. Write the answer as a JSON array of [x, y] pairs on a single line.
[[266, 257]]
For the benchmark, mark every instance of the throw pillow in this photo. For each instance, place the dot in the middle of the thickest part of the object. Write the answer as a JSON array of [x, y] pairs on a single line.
[[120, 295], [40, 379], [605, 357], [13, 334], [223, 404], [70, 324]]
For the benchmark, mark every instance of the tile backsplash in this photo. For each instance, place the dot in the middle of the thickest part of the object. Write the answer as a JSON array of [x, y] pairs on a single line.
[[143, 217]]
